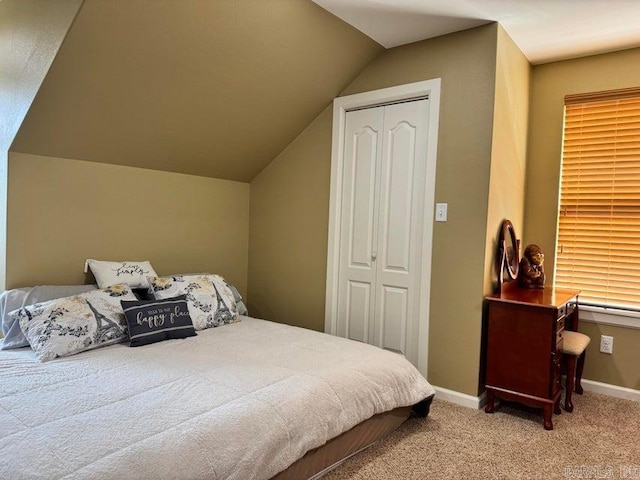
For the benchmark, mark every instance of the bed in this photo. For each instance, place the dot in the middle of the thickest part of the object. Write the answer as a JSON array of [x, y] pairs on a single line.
[[251, 399]]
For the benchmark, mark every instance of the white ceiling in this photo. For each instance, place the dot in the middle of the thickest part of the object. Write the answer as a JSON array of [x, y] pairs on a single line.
[[545, 30]]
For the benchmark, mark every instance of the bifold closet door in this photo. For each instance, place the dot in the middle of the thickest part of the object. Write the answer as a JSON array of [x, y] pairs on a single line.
[[358, 232], [382, 211]]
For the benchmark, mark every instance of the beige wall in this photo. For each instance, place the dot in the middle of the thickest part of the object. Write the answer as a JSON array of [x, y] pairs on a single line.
[[620, 368], [32, 32], [289, 219], [466, 62], [62, 211], [508, 148], [294, 190], [550, 83]]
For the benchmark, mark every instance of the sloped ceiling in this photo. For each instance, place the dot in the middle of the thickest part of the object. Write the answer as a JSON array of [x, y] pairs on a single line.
[[30, 36], [211, 88]]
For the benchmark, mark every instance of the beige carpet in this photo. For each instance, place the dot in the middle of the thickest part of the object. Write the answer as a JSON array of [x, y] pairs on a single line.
[[600, 439]]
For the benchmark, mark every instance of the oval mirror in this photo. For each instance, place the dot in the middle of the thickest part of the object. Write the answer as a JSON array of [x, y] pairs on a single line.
[[508, 252]]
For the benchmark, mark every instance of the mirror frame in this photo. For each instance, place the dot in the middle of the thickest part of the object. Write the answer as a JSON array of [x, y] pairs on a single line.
[[508, 252]]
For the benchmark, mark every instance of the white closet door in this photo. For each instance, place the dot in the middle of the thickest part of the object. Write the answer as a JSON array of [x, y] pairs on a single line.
[[363, 143], [381, 231], [398, 260]]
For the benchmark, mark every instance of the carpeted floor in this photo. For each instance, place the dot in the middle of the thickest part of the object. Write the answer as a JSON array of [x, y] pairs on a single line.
[[600, 439]]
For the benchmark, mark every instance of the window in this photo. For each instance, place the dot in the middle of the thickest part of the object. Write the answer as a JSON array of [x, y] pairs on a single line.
[[599, 212]]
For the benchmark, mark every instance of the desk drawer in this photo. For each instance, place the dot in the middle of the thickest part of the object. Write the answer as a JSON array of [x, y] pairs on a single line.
[[562, 311]]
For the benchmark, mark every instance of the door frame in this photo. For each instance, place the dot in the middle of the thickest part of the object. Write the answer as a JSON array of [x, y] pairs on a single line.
[[427, 88]]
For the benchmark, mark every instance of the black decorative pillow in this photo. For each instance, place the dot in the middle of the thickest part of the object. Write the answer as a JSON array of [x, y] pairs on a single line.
[[152, 321]]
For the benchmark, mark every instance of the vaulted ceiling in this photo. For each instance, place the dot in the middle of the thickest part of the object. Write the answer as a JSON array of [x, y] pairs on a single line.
[[219, 88], [210, 88]]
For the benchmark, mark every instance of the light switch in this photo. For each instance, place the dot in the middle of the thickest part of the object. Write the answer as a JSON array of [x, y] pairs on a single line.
[[441, 212]]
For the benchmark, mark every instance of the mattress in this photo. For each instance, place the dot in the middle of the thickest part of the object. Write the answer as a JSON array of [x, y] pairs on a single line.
[[241, 401]]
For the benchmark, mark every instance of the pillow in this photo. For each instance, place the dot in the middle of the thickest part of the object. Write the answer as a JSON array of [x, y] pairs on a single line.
[[11, 300], [242, 308], [133, 274], [151, 321], [209, 299], [70, 325]]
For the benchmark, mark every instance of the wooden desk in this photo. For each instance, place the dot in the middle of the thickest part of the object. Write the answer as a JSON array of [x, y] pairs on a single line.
[[524, 337]]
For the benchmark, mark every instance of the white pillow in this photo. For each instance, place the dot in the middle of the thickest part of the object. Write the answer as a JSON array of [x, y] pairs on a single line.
[[66, 326], [133, 274], [210, 300]]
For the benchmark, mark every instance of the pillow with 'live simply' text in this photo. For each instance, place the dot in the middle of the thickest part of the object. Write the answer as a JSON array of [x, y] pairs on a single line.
[[133, 274]]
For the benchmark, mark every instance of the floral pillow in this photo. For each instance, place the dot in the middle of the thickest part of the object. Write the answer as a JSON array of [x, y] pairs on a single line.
[[210, 300], [70, 325]]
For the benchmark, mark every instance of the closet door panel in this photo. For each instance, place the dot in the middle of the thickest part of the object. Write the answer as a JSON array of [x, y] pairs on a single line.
[[398, 193], [359, 224], [402, 180], [393, 307], [361, 214], [358, 311]]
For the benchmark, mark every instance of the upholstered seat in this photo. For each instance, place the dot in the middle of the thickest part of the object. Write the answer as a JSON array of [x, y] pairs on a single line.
[[574, 345]]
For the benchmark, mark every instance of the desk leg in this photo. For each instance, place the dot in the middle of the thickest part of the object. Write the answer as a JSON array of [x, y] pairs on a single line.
[[579, 369], [571, 371], [546, 414], [490, 408]]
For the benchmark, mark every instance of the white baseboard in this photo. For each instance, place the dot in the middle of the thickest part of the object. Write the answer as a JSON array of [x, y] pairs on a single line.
[[470, 401], [458, 398], [611, 390]]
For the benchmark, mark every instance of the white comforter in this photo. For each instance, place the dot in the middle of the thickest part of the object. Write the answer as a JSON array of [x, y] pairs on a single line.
[[242, 401]]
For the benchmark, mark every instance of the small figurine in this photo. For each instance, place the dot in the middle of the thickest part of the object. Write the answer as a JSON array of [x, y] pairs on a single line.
[[531, 274]]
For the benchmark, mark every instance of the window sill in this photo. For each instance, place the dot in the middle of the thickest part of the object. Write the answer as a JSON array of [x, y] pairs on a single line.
[[610, 316]]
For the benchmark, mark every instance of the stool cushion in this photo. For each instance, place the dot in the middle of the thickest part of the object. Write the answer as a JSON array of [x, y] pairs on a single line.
[[574, 343]]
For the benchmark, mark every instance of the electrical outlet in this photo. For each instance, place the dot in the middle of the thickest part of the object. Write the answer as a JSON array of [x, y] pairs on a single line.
[[606, 344]]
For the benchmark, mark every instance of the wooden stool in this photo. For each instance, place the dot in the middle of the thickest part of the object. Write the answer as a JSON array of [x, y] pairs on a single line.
[[573, 350]]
